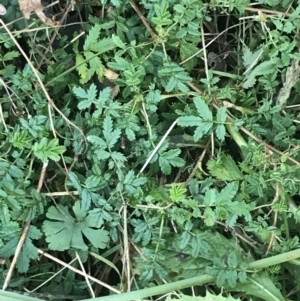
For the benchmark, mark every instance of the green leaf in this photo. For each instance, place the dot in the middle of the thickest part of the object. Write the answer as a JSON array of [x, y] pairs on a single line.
[[260, 285], [170, 158], [143, 229], [203, 109], [177, 192], [202, 129], [240, 5], [221, 132], [232, 260], [250, 58], [210, 217], [116, 3], [228, 192], [44, 150], [97, 141], [210, 197], [88, 97], [92, 36], [163, 16], [189, 121], [264, 68], [111, 136], [186, 51], [33, 206], [225, 169], [28, 251], [76, 183], [118, 42], [8, 56], [21, 140], [81, 67], [65, 231], [222, 115], [130, 182], [118, 158], [174, 77]]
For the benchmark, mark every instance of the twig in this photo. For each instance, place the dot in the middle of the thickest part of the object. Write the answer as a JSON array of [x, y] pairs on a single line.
[[267, 11], [61, 193], [145, 22], [198, 164], [54, 36]]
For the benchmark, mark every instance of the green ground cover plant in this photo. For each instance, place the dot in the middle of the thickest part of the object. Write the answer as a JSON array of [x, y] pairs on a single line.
[[149, 150]]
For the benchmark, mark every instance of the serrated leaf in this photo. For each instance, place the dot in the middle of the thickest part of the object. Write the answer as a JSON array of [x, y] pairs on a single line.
[[177, 192], [221, 132], [66, 231], [232, 260], [118, 41], [81, 66], [210, 217], [10, 55], [28, 251], [74, 179], [222, 115], [92, 36], [263, 68], [119, 158], [86, 199], [187, 50], [111, 136], [170, 158], [103, 46], [228, 192], [88, 97], [202, 129], [203, 109], [97, 141], [80, 92], [45, 150], [21, 139], [189, 121], [260, 285], [210, 197], [225, 170], [250, 58]]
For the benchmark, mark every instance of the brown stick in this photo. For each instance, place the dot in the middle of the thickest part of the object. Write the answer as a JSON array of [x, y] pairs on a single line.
[[136, 8]]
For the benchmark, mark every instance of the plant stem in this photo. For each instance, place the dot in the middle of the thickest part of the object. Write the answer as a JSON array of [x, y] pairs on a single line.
[[236, 136], [169, 287]]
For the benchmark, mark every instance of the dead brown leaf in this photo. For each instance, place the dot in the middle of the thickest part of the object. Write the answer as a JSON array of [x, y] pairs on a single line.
[[28, 6], [110, 75]]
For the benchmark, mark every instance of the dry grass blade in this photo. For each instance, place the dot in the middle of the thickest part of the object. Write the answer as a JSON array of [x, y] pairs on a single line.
[[78, 271]]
